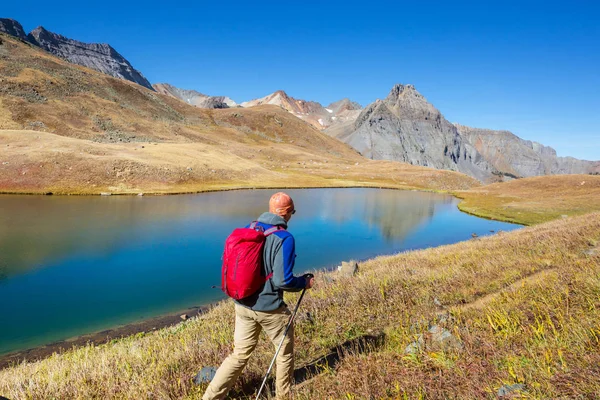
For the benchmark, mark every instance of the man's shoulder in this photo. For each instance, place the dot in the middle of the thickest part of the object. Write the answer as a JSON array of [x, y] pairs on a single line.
[[280, 234], [283, 234]]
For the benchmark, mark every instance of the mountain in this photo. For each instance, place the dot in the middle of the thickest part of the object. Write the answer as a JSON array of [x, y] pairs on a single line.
[[67, 129], [98, 56], [101, 57], [193, 97], [405, 127], [344, 113], [310, 111], [13, 28], [515, 157], [344, 105]]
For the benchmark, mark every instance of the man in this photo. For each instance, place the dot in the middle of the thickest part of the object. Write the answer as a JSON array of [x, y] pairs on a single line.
[[266, 309]]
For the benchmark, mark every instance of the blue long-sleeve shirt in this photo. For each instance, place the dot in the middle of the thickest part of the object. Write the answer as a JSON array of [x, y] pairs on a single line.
[[279, 254]]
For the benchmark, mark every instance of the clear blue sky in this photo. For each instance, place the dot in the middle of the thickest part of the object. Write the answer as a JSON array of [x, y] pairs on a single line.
[[531, 67]]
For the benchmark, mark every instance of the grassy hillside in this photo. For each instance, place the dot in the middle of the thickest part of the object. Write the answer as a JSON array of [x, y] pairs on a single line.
[[534, 200], [67, 129]]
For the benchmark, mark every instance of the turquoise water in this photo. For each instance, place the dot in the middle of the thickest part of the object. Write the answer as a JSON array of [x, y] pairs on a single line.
[[77, 265]]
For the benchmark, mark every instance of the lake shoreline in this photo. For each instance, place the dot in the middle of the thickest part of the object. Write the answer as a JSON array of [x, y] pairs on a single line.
[[101, 337]]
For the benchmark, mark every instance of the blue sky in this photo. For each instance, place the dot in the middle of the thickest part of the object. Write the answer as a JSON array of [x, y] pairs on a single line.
[[530, 67]]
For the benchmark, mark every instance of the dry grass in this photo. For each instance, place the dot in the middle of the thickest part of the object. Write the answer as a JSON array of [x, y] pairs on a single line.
[[533, 200], [537, 324]]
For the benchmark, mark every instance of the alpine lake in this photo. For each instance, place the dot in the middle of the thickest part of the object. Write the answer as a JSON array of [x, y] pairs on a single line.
[[71, 266]]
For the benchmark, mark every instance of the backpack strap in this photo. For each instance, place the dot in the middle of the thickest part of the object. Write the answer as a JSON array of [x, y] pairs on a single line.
[[267, 233], [254, 225], [273, 230]]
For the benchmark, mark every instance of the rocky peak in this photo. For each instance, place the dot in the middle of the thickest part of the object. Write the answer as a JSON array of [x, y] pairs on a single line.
[[343, 105], [194, 97], [516, 157], [184, 94], [99, 56], [406, 100], [406, 127], [13, 28], [281, 93], [399, 88], [310, 111]]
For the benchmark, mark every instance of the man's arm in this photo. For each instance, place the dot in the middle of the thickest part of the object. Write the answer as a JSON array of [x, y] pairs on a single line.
[[283, 268]]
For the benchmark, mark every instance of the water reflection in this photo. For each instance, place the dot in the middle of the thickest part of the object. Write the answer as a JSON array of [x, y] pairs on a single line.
[[35, 231], [394, 213]]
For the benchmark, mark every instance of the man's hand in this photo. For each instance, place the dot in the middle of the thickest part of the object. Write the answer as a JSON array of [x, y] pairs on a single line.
[[310, 280]]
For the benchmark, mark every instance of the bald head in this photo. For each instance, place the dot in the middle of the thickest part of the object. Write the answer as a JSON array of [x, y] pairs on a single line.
[[281, 204]]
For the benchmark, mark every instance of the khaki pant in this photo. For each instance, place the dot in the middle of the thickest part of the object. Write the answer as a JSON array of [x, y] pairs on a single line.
[[248, 324]]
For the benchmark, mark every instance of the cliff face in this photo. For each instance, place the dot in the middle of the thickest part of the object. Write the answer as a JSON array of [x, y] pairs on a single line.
[[514, 156], [13, 28], [101, 57], [193, 97], [405, 127]]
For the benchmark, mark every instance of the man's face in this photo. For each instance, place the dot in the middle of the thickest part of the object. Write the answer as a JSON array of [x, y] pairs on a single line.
[[289, 214]]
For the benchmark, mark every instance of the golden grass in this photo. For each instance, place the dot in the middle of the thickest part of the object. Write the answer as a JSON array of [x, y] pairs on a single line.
[[537, 324], [534, 200], [41, 162]]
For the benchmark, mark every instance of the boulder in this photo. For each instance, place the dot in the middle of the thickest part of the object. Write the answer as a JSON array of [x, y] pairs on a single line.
[[441, 338], [349, 268], [205, 375], [507, 390], [415, 346], [184, 317]]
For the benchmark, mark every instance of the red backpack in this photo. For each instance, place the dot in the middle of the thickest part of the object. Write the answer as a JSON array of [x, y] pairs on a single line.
[[243, 260]]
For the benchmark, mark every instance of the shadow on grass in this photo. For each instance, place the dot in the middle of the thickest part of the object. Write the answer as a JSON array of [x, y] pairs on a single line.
[[362, 344]]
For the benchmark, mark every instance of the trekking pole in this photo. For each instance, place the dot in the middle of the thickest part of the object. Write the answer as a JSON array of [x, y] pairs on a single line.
[[287, 328]]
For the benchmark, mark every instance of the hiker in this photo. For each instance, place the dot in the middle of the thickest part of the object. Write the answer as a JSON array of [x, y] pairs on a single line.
[[266, 308]]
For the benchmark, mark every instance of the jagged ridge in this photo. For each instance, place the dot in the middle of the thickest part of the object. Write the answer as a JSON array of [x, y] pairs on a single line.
[[98, 56], [310, 111], [193, 97], [406, 127], [517, 157]]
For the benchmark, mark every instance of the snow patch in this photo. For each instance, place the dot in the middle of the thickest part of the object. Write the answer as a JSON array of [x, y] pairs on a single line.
[[329, 111], [321, 122], [334, 118]]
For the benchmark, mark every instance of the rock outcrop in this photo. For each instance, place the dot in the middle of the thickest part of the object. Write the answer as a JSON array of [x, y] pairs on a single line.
[[516, 158], [101, 57], [346, 104], [13, 28], [193, 97], [311, 111], [405, 127]]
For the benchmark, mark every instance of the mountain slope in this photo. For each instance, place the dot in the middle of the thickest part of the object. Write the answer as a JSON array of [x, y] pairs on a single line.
[[99, 56], [405, 127], [514, 156], [193, 97], [70, 129]]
